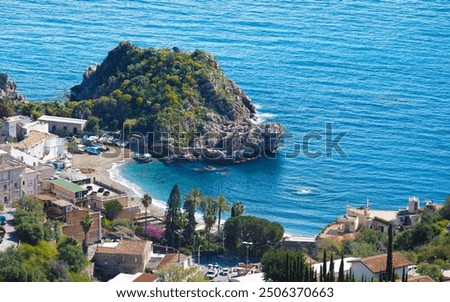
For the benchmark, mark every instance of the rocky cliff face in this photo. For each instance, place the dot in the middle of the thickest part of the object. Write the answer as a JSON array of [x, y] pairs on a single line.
[[178, 92], [8, 90]]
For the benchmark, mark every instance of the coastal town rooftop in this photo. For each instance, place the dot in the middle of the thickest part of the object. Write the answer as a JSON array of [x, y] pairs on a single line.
[[59, 119]]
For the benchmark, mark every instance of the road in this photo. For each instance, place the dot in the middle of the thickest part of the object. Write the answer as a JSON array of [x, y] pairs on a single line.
[[10, 238]]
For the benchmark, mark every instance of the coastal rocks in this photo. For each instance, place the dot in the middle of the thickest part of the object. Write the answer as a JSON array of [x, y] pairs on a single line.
[[192, 110], [8, 90]]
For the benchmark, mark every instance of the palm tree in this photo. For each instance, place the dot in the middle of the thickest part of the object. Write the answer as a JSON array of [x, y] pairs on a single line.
[[223, 205], [86, 223], [192, 201], [209, 209], [146, 201], [237, 209]]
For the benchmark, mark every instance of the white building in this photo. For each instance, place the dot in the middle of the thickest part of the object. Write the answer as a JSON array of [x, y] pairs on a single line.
[[16, 180], [43, 146], [23, 129], [375, 266], [10, 124], [63, 125]]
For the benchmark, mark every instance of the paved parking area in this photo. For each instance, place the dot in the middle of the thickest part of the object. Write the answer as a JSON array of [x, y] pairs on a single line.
[[10, 238]]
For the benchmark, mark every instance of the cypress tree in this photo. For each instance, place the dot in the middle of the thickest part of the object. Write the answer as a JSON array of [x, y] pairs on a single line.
[[389, 264], [341, 270], [173, 209], [331, 270], [324, 266]]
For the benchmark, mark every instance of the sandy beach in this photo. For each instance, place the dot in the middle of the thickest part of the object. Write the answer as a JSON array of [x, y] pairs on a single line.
[[106, 165]]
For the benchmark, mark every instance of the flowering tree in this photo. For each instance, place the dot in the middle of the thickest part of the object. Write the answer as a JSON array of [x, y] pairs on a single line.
[[154, 232]]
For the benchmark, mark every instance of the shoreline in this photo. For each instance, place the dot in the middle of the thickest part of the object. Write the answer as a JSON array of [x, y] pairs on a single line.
[[108, 170]]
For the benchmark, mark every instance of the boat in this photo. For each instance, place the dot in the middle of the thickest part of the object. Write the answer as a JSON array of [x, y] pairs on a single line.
[[91, 150], [143, 158], [210, 169]]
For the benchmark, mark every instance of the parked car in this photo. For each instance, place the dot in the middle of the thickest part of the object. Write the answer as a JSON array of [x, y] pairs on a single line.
[[2, 220], [101, 190], [89, 188], [211, 274], [224, 272], [106, 193]]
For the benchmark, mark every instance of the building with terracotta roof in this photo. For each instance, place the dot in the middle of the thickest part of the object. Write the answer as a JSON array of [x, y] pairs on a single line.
[[41, 145], [139, 277], [375, 266], [124, 256], [16, 180]]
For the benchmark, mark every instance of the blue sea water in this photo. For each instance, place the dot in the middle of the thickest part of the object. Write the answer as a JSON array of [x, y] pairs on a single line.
[[377, 70]]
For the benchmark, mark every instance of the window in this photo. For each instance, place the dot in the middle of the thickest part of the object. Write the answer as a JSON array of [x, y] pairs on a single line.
[[75, 130], [4, 187], [54, 128], [30, 182], [15, 185], [23, 183]]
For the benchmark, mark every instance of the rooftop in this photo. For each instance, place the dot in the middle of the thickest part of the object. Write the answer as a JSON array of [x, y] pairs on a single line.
[[377, 264], [60, 119], [171, 259], [61, 202], [68, 185], [420, 279], [16, 118], [33, 138], [124, 247], [138, 277]]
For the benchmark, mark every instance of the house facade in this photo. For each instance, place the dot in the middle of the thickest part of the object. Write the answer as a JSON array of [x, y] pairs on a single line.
[[63, 125], [375, 267], [16, 180], [124, 256], [41, 145], [10, 125]]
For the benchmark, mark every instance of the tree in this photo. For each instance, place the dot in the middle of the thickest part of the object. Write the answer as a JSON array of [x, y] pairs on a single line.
[[389, 264], [223, 206], [431, 270], [70, 252], [209, 208], [72, 147], [173, 208], [112, 209], [445, 211], [341, 277], [93, 124], [191, 202], [331, 270], [280, 265], [31, 233], [30, 204], [86, 223], [154, 232], [237, 209], [176, 273], [146, 201], [261, 232]]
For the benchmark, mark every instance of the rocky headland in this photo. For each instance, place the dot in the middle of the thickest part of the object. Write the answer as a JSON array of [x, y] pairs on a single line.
[[8, 90], [186, 103]]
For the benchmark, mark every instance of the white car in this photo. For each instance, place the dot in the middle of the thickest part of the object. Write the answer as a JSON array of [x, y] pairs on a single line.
[[224, 272], [211, 274]]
